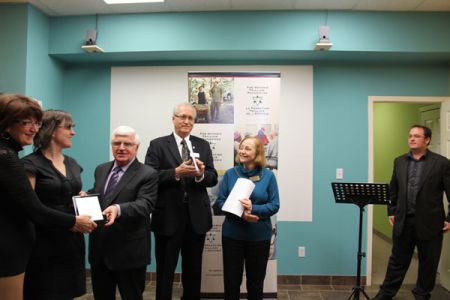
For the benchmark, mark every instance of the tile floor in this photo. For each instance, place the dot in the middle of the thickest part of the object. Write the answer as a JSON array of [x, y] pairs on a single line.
[[327, 292]]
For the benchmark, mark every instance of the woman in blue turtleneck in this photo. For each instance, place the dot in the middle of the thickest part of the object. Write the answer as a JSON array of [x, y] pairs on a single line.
[[246, 239]]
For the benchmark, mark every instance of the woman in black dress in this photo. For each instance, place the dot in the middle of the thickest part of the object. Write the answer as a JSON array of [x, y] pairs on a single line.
[[20, 120], [201, 95], [56, 268]]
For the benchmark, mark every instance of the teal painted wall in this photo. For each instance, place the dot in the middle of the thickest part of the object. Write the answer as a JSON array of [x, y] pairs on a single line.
[[244, 31], [341, 90], [340, 140], [26, 67], [86, 97], [44, 75], [391, 123], [13, 41]]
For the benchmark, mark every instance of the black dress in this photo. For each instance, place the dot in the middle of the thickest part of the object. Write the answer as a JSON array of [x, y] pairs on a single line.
[[19, 206], [57, 266]]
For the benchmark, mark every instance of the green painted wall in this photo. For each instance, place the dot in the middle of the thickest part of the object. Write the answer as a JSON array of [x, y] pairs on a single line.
[[391, 122]]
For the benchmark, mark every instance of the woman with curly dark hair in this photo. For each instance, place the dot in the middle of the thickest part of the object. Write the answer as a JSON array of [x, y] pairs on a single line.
[[20, 120]]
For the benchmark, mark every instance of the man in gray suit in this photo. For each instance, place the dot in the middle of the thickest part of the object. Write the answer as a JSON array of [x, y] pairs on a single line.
[[417, 213], [120, 251]]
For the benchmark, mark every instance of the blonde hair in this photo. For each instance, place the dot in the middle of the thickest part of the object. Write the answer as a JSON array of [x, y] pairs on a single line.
[[260, 157]]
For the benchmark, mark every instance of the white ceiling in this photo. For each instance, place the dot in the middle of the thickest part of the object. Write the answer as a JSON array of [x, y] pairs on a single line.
[[90, 7]]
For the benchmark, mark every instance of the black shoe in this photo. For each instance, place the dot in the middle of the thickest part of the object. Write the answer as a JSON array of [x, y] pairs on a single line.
[[381, 297]]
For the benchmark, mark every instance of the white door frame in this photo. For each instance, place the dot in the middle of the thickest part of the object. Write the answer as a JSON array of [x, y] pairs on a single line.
[[384, 99]]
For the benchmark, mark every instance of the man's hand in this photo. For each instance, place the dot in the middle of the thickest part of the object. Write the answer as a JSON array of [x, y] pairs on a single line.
[[446, 226], [201, 168], [83, 224], [111, 213], [185, 169], [391, 220]]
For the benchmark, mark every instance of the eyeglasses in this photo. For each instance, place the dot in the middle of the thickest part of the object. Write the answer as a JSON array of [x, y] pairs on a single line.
[[416, 136], [125, 144], [67, 126], [185, 118], [29, 123]]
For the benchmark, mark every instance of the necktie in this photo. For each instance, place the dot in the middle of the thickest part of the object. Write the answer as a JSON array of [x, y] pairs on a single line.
[[113, 180], [184, 151]]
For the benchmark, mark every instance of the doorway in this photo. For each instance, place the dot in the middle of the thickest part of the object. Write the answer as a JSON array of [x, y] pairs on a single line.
[[418, 101]]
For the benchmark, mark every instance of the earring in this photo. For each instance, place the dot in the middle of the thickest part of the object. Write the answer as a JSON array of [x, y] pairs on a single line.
[[5, 135]]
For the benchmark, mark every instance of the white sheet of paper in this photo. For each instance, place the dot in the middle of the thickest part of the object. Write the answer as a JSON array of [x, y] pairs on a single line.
[[89, 206], [241, 190]]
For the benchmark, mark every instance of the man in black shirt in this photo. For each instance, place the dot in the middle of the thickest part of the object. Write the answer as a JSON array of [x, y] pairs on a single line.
[[417, 214]]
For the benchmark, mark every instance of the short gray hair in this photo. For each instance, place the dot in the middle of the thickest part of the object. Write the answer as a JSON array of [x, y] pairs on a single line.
[[126, 131], [180, 105]]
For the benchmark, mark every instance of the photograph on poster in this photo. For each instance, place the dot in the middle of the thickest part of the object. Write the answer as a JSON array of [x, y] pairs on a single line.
[[267, 133], [212, 97]]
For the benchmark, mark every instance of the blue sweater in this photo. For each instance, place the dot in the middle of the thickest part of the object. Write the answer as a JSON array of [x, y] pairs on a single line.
[[265, 203]]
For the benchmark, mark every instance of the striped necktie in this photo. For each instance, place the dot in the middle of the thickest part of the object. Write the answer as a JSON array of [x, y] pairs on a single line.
[[113, 180]]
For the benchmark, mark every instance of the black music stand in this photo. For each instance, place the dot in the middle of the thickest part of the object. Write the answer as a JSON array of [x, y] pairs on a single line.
[[360, 194]]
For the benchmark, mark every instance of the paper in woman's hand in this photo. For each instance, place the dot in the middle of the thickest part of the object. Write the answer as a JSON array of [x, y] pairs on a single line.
[[242, 189], [88, 206]]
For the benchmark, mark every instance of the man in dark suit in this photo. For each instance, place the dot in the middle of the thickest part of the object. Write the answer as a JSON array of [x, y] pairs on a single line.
[[182, 215], [119, 252], [417, 213]]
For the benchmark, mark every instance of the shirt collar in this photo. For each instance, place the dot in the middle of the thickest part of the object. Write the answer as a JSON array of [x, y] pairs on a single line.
[[178, 139], [411, 157], [124, 168]]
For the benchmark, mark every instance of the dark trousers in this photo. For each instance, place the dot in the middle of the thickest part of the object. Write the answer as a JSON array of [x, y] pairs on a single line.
[[215, 110], [236, 254], [167, 249], [402, 251], [131, 282]]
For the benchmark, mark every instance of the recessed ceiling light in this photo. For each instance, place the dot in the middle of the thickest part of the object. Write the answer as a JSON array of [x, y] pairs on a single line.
[[131, 1]]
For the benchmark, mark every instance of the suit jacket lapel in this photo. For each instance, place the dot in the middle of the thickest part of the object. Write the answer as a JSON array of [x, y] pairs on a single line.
[[103, 178], [195, 146], [173, 149], [403, 172], [126, 177], [428, 166]]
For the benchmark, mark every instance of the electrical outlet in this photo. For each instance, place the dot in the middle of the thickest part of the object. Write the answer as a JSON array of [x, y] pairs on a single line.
[[301, 251], [339, 173]]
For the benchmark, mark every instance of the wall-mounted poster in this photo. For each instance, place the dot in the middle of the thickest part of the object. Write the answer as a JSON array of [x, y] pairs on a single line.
[[231, 106]]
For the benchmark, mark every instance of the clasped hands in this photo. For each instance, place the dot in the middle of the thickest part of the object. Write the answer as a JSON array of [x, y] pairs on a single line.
[[247, 214], [187, 168]]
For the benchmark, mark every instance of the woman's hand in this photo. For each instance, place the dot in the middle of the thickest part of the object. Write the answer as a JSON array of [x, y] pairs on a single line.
[[247, 216], [247, 204], [83, 224]]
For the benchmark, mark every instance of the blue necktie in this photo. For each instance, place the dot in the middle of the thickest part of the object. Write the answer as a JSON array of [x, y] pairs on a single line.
[[113, 180]]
